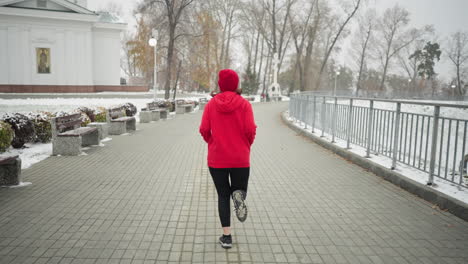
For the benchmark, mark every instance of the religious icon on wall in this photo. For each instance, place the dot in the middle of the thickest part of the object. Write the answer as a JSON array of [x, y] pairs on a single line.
[[43, 60]]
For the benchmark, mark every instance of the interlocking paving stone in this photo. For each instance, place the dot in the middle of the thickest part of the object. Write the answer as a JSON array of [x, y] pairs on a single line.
[[148, 198]]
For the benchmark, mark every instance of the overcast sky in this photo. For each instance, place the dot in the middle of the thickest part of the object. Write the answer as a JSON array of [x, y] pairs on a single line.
[[447, 16]]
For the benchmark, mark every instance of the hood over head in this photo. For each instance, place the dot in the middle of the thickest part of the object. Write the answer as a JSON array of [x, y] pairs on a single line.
[[228, 80], [227, 102]]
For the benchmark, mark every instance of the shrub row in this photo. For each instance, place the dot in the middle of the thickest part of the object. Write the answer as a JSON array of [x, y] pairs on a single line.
[[17, 129], [170, 104]]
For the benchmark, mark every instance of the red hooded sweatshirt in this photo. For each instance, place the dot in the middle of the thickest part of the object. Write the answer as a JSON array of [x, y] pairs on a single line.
[[228, 125]]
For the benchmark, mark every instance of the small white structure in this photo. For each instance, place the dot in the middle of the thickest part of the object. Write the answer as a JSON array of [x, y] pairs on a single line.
[[274, 88], [58, 43]]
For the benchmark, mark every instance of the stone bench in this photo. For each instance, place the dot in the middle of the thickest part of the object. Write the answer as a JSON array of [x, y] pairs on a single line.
[[10, 170], [118, 122], [163, 113], [182, 107], [68, 136], [103, 129], [202, 103], [152, 113]]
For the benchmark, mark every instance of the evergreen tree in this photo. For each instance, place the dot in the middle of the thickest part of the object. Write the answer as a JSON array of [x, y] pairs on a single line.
[[426, 61], [250, 82]]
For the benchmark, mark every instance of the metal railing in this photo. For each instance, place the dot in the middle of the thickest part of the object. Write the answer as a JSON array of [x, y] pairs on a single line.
[[429, 142]]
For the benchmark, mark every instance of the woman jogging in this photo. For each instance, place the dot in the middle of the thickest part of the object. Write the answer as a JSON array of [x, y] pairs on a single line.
[[229, 129]]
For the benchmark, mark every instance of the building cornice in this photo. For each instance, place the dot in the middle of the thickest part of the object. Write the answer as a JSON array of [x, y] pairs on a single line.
[[110, 26], [9, 11], [72, 6]]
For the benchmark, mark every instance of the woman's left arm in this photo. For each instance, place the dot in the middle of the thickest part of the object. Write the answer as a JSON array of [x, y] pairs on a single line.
[[205, 126], [250, 126]]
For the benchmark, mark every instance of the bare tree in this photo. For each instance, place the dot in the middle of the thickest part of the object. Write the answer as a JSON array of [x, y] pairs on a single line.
[[173, 11], [321, 12], [355, 6], [225, 12], [270, 17], [300, 29], [410, 66], [395, 36], [363, 37], [457, 50], [128, 60]]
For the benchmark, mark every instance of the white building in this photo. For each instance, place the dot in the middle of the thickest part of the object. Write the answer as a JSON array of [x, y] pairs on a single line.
[[58, 46]]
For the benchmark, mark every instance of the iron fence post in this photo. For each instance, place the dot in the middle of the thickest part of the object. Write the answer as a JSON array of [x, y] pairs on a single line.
[[323, 117], [348, 127], [306, 117], [435, 130], [396, 130], [313, 116], [369, 128], [301, 110], [334, 119]]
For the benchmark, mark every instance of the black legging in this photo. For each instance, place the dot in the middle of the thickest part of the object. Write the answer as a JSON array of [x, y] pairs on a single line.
[[239, 181]]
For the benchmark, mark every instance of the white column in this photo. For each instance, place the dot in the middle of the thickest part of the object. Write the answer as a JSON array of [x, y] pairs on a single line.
[[13, 55], [4, 65], [275, 84]]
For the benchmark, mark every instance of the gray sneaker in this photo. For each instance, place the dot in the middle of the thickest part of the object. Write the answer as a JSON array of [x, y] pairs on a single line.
[[238, 197], [226, 241]]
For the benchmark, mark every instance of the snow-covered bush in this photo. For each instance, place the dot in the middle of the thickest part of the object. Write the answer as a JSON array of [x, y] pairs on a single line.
[[100, 114], [61, 113], [194, 102], [42, 126], [85, 120], [23, 128], [6, 136], [130, 109], [88, 112], [162, 103], [170, 105]]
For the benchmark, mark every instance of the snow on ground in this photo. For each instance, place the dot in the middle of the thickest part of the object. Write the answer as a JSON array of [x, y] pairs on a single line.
[[31, 153], [450, 112], [443, 186], [67, 104], [417, 132], [63, 104], [257, 98]]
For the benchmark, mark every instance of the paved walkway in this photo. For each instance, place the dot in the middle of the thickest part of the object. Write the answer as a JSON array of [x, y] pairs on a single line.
[[148, 198]]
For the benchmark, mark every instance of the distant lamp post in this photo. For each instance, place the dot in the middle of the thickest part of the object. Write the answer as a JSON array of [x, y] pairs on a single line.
[[453, 86], [153, 41], [336, 77]]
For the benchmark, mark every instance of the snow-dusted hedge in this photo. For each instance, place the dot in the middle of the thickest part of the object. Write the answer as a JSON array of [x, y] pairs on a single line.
[[17, 129], [194, 102], [100, 115], [130, 109], [87, 114], [6, 136], [163, 103], [23, 128], [42, 126]]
